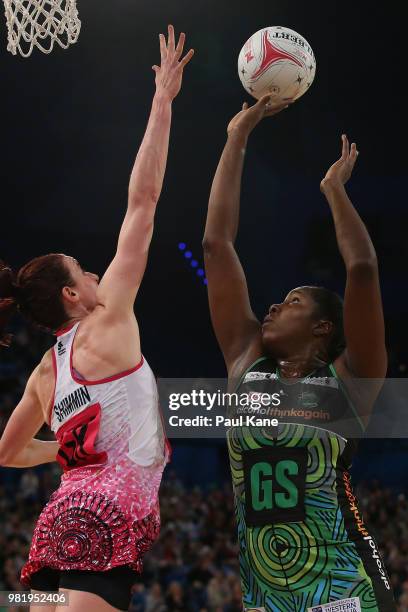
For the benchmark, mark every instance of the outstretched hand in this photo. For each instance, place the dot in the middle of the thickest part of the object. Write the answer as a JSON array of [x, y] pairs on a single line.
[[341, 170], [169, 74], [250, 116]]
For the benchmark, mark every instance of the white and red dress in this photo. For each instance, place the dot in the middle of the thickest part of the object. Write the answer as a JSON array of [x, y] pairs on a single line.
[[113, 451]]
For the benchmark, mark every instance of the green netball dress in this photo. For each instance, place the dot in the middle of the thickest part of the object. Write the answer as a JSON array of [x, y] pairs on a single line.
[[303, 544]]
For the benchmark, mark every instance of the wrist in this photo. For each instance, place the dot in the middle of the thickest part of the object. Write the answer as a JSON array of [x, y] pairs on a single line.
[[330, 183], [161, 97], [239, 135]]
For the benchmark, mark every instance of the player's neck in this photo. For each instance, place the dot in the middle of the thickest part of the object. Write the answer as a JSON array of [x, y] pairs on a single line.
[[299, 366], [68, 324]]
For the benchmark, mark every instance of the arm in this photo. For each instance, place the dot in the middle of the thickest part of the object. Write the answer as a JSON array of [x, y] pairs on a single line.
[[365, 355], [35, 453], [235, 325], [118, 287], [18, 448]]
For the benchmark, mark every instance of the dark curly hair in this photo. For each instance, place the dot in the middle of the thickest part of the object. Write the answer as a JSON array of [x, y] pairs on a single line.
[[329, 306]]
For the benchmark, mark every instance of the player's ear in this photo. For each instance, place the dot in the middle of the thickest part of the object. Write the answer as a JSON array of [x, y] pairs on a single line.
[[322, 328], [69, 294]]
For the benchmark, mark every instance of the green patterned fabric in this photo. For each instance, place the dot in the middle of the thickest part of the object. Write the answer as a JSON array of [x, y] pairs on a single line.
[[297, 470]]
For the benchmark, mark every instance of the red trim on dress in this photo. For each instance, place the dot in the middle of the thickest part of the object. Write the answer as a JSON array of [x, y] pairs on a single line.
[[63, 330], [169, 448], [54, 367], [83, 381]]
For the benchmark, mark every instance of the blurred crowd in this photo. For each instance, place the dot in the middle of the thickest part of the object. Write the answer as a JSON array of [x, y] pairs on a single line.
[[193, 567]]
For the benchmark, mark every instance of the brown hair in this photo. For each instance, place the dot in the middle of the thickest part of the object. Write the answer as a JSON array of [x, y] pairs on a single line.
[[36, 291]]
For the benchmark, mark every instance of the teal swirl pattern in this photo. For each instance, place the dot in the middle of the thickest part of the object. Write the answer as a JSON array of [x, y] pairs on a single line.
[[290, 567]]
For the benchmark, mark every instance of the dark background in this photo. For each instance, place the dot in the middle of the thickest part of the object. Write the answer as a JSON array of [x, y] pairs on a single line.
[[73, 120]]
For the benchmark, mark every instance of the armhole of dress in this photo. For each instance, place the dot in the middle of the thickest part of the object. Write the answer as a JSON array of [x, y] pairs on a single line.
[[55, 370], [248, 370], [346, 394]]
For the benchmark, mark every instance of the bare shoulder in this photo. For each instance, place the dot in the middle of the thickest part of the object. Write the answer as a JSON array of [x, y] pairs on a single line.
[[362, 391], [253, 352], [43, 374], [106, 345], [45, 381], [101, 325], [45, 365]]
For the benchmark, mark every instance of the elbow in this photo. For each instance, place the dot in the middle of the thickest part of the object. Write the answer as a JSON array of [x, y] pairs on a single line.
[[9, 454], [142, 198], [5, 460], [212, 245], [3, 457], [207, 244], [364, 268]]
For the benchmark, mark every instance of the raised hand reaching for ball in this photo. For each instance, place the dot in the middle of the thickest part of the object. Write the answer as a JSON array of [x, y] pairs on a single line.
[[250, 116]]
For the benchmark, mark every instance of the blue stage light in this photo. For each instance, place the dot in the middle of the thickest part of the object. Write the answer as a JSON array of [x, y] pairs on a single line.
[[193, 262]]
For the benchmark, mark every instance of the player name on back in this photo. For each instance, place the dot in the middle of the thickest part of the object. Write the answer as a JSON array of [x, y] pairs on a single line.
[[72, 402]]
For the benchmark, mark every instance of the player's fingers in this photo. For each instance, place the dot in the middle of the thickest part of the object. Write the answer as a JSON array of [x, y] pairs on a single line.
[[170, 42], [155, 68], [353, 152], [272, 109], [186, 58], [163, 49], [345, 147], [263, 105], [267, 99], [274, 104], [180, 45], [245, 106]]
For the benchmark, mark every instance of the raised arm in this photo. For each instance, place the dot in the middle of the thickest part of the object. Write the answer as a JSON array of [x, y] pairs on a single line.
[[118, 287], [365, 355], [235, 325]]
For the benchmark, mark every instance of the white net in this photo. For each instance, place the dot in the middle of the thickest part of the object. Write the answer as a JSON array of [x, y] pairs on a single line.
[[41, 23]]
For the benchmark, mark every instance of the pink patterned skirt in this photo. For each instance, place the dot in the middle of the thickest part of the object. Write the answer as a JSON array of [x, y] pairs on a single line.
[[99, 518]]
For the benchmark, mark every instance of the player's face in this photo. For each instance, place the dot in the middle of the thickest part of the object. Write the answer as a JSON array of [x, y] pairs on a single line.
[[289, 325], [85, 283]]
